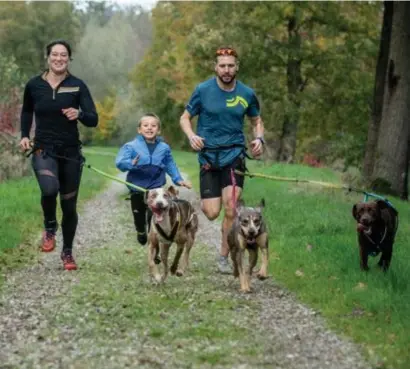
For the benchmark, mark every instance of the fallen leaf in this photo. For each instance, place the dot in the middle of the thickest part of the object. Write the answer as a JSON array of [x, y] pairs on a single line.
[[361, 286], [299, 273]]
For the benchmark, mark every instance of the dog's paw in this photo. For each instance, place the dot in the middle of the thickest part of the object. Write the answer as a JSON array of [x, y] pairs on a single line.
[[261, 276], [157, 260], [180, 273], [245, 290], [157, 278]]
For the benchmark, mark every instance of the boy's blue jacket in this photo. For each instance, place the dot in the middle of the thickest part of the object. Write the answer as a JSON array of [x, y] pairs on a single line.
[[149, 172]]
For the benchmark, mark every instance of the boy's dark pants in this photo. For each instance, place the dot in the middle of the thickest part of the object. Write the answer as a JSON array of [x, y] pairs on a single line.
[[142, 215]]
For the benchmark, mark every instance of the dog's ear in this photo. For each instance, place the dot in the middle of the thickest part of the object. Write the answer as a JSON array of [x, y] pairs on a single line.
[[173, 191], [146, 197], [261, 206], [240, 204], [382, 204]]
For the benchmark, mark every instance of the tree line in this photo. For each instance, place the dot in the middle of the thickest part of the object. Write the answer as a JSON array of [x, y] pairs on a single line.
[[331, 76]]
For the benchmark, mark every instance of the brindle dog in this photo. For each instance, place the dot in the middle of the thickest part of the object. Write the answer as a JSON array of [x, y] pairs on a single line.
[[248, 233], [377, 223], [174, 221]]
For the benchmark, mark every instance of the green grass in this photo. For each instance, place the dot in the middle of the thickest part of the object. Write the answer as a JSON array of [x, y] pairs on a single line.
[[373, 308], [21, 213]]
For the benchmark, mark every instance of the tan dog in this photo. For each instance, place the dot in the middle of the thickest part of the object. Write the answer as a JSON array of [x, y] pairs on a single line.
[[249, 233], [173, 221]]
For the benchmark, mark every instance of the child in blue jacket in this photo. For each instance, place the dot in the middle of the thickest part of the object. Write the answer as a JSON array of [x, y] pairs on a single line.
[[146, 159]]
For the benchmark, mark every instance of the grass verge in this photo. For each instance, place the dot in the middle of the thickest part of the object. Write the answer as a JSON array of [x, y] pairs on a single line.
[[22, 216]]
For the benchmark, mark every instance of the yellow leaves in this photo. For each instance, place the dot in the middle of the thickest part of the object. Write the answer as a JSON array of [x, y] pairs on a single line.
[[321, 42], [107, 126], [288, 10]]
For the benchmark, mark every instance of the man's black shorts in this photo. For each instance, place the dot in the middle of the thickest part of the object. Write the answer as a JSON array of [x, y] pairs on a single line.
[[212, 181]]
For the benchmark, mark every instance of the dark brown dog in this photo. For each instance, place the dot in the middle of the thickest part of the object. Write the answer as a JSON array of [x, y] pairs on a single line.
[[377, 223]]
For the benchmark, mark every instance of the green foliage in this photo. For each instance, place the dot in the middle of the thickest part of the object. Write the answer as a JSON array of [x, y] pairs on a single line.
[[27, 27], [11, 76], [335, 43], [11, 88]]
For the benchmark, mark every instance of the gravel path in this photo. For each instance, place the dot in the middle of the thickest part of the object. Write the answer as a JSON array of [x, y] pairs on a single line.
[[32, 297]]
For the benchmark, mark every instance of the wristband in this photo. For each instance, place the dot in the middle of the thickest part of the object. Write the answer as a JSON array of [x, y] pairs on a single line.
[[261, 139]]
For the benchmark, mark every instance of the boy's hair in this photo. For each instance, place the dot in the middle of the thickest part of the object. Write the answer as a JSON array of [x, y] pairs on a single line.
[[153, 115]]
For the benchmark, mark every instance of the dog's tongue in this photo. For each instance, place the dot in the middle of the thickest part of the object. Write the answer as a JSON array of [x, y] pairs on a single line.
[[251, 241], [159, 216], [362, 228]]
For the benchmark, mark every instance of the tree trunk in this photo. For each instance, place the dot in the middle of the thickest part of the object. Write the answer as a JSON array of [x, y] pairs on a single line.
[[294, 83], [378, 94], [391, 154]]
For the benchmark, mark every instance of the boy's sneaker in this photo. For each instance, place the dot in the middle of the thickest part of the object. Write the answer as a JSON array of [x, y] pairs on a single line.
[[223, 265], [68, 261], [142, 238], [48, 241]]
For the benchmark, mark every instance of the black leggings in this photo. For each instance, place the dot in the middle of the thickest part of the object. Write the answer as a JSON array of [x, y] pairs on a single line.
[[142, 215], [56, 175]]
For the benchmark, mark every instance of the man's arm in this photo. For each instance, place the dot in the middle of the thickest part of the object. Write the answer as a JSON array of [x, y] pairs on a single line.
[[186, 125], [257, 126], [197, 143], [258, 132]]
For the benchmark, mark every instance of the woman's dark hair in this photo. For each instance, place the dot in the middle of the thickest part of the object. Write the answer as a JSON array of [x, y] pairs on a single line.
[[58, 42]]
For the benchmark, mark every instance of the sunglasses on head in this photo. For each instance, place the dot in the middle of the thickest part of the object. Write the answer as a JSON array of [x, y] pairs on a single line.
[[226, 51]]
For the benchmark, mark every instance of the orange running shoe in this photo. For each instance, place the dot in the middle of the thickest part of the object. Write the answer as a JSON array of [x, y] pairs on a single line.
[[68, 261], [48, 242]]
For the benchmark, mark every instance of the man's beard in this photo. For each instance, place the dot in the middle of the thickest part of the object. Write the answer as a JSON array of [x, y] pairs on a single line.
[[232, 78]]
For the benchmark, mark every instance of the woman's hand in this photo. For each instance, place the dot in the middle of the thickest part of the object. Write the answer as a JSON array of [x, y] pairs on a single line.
[[25, 144], [71, 113]]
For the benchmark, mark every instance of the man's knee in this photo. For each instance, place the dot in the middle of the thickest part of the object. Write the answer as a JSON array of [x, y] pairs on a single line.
[[210, 212]]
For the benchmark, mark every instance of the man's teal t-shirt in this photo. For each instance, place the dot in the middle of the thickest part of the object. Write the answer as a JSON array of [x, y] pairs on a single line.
[[221, 117]]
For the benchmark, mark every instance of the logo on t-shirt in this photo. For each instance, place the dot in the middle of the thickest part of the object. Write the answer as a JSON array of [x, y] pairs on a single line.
[[230, 103]]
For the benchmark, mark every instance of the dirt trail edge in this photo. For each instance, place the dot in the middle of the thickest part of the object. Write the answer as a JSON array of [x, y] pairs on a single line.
[[109, 315]]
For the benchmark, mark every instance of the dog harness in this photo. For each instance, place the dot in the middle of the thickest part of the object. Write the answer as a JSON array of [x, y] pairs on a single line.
[[376, 245], [174, 230]]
